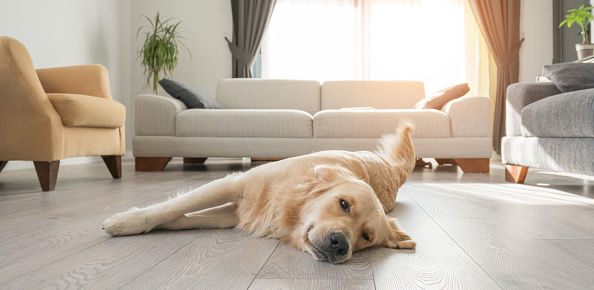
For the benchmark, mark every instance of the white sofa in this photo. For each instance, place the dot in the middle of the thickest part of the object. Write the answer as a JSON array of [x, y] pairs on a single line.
[[273, 119]]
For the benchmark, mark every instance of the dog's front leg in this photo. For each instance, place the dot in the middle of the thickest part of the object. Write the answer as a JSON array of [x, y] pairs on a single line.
[[136, 221], [224, 216]]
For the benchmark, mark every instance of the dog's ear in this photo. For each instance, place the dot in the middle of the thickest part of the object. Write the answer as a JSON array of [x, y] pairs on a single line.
[[329, 173], [396, 238]]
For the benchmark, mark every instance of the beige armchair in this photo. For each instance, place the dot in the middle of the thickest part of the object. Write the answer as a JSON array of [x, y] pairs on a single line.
[[50, 114]]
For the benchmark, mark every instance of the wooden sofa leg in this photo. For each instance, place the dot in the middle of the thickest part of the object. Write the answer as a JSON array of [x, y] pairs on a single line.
[[2, 164], [515, 173], [151, 163], [47, 173], [114, 164], [473, 165], [189, 160]]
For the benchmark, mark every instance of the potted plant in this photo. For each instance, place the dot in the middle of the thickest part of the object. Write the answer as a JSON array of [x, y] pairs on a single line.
[[582, 16], [160, 49]]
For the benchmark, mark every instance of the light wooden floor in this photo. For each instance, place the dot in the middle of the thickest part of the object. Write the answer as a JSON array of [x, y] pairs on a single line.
[[473, 232]]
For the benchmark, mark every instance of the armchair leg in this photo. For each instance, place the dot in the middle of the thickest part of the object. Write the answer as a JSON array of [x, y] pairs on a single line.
[[2, 164], [47, 173], [114, 164], [189, 160], [151, 163], [515, 173], [473, 165]]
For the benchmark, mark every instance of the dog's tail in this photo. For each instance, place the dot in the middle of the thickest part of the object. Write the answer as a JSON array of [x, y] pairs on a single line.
[[398, 150]]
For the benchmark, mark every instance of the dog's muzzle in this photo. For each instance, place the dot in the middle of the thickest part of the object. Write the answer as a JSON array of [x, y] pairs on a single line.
[[336, 247]]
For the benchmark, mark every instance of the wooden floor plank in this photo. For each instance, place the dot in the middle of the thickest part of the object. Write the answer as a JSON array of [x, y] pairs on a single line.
[[515, 259], [288, 263], [580, 250], [437, 262], [108, 265], [479, 201], [217, 255], [474, 231], [273, 284]]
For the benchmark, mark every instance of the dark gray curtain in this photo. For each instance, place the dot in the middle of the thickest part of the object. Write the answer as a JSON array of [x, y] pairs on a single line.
[[250, 19]]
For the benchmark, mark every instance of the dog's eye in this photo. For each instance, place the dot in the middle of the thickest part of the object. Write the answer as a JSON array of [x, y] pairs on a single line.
[[344, 205], [365, 236]]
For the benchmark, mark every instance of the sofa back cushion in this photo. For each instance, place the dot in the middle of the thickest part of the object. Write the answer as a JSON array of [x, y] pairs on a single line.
[[269, 94], [375, 94]]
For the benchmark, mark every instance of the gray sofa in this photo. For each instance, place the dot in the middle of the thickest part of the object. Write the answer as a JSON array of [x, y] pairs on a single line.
[[548, 129]]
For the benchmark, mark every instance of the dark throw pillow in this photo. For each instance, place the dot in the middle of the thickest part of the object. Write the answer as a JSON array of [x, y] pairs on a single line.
[[194, 98], [570, 76], [442, 97]]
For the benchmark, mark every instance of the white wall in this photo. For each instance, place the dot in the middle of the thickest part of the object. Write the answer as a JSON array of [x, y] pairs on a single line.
[[206, 23], [74, 32], [536, 25]]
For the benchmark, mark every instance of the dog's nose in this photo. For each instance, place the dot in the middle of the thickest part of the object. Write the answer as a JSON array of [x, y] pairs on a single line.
[[339, 244]]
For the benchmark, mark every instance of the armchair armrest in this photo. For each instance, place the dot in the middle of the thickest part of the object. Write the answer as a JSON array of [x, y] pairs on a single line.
[[88, 111], [469, 116], [91, 80], [520, 95], [155, 115]]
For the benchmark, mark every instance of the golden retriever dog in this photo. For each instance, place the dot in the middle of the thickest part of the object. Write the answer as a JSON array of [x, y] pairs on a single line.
[[329, 203]]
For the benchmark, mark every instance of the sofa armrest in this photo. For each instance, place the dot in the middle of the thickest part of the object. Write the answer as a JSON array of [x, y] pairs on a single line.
[[520, 95], [91, 80], [155, 115], [469, 116]]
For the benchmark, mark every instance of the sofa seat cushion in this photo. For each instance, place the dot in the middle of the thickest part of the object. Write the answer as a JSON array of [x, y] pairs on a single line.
[[244, 123], [562, 116], [88, 111], [373, 123]]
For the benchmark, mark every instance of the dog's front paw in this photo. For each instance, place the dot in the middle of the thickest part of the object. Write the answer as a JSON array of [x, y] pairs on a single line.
[[134, 221], [406, 244]]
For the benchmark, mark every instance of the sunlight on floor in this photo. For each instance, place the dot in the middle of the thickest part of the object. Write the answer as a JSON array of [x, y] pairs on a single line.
[[514, 193]]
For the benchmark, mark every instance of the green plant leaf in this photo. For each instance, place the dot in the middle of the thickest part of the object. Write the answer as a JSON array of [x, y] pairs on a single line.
[[160, 48]]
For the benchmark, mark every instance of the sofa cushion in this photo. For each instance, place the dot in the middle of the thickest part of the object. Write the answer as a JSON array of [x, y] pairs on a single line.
[[192, 97], [376, 94], [563, 115], [570, 76], [438, 99], [88, 111], [375, 123], [244, 123], [301, 95]]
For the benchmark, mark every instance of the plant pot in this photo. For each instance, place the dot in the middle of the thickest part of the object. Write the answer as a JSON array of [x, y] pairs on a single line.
[[584, 50]]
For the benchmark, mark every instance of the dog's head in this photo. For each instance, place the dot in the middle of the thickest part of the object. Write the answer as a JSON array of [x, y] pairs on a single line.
[[346, 216]]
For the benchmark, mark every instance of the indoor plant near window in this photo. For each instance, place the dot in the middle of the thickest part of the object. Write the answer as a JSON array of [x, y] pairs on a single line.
[[160, 49], [582, 16]]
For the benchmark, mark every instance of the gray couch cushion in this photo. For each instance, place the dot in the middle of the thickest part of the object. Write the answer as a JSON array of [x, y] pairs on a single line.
[[520, 95], [564, 115], [570, 76]]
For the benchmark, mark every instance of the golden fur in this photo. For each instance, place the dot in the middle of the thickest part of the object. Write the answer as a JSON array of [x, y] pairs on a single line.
[[329, 203]]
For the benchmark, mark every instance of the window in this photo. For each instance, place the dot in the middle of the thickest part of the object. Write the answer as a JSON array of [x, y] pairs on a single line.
[[367, 39]]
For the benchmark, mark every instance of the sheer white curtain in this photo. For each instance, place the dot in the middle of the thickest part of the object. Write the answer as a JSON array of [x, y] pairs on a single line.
[[368, 39]]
